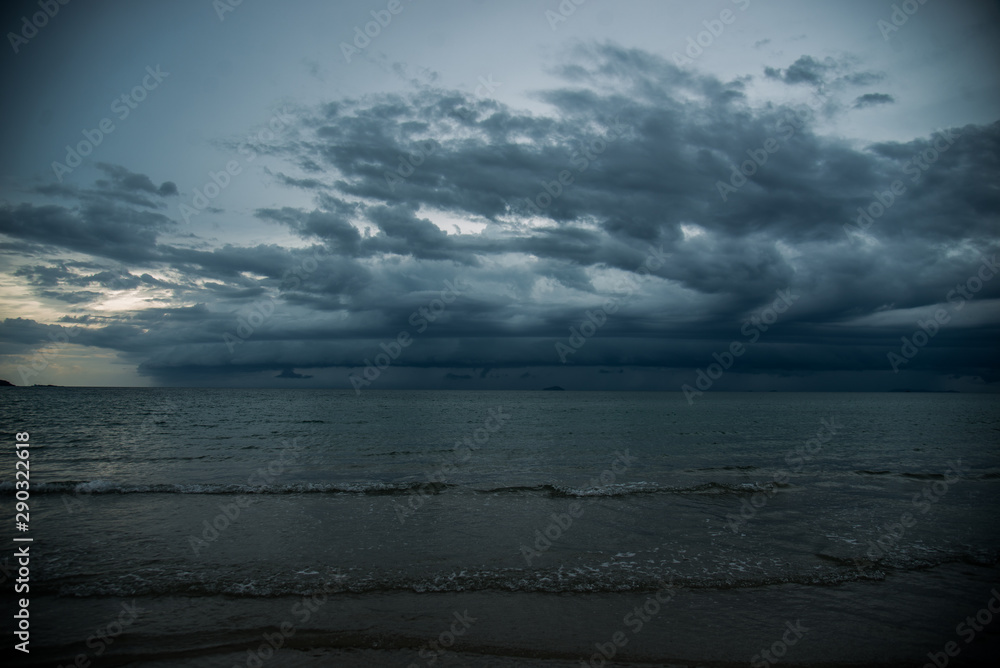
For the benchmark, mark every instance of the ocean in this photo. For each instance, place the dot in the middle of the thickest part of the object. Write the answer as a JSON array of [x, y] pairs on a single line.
[[228, 527]]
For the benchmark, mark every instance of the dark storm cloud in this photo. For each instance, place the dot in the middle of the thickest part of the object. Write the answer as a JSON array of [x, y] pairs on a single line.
[[75, 274], [83, 296], [121, 186], [101, 229], [290, 373], [41, 275], [305, 184], [806, 70], [122, 179], [332, 225], [873, 99], [25, 332], [830, 71], [628, 166], [103, 221]]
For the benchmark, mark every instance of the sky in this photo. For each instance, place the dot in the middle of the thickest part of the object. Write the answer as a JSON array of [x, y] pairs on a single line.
[[726, 195]]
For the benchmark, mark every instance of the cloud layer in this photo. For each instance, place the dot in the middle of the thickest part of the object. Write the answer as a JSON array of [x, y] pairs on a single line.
[[544, 217]]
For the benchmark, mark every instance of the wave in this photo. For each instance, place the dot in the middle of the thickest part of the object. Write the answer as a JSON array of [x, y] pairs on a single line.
[[903, 560], [107, 487], [922, 476], [506, 580], [622, 577], [390, 489], [634, 488], [918, 475], [577, 580], [395, 453]]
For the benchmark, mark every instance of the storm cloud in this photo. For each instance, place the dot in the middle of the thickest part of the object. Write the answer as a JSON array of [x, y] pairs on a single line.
[[652, 213]]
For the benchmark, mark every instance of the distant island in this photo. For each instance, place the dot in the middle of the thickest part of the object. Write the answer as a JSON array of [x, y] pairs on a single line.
[[7, 383], [555, 388], [929, 391]]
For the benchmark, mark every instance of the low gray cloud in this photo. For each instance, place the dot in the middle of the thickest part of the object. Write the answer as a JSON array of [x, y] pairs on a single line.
[[873, 99], [836, 72]]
